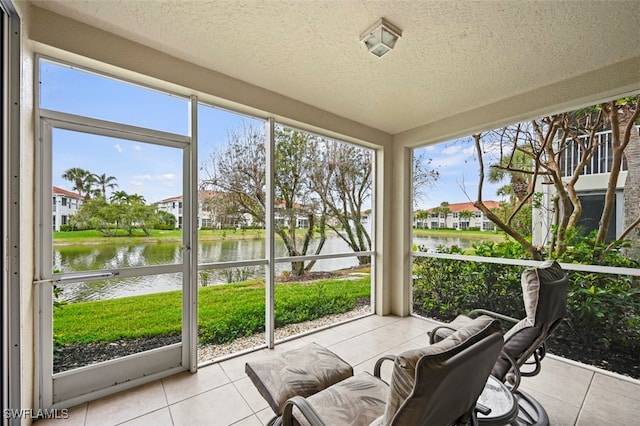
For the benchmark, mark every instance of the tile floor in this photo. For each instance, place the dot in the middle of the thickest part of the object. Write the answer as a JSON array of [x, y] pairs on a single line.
[[221, 394]]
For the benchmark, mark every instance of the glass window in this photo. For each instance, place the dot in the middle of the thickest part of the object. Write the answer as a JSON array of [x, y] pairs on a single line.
[[76, 91], [232, 179], [120, 180]]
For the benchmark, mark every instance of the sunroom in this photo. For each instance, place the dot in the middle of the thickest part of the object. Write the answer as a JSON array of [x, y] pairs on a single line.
[[238, 121]]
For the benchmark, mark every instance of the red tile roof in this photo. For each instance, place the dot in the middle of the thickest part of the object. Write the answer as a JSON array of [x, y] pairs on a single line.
[[70, 194], [458, 207]]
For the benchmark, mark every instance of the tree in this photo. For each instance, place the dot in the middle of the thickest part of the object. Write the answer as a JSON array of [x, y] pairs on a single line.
[[81, 179], [342, 180], [319, 181], [466, 215], [97, 214], [239, 170], [547, 142], [424, 176], [516, 166], [165, 220], [119, 197], [103, 182], [132, 212], [442, 210], [624, 115]]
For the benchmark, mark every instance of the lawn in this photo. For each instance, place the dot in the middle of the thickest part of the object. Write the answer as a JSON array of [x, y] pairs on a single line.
[[454, 233], [225, 312], [96, 237]]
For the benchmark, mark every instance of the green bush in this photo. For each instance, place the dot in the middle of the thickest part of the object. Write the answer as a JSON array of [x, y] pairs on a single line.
[[602, 309], [164, 226], [65, 228], [445, 288]]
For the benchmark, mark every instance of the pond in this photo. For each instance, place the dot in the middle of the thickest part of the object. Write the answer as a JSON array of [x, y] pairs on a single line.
[[76, 258]]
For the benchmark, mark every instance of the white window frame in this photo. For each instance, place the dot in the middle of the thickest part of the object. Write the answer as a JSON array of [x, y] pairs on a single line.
[[72, 385]]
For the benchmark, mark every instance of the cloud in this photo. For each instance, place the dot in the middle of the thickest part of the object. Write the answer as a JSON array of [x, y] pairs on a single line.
[[137, 147], [168, 180], [118, 147], [451, 149], [148, 182], [142, 177]]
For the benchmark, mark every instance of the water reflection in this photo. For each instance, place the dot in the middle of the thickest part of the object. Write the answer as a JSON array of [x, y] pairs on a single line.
[[109, 256], [434, 242]]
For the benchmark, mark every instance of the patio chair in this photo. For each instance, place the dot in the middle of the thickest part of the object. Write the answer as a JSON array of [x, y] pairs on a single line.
[[435, 385], [545, 300]]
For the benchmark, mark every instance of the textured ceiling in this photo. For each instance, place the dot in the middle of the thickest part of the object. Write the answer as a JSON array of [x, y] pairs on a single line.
[[453, 56]]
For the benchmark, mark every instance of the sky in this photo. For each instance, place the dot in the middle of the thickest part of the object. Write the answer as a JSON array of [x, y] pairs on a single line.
[[457, 164], [155, 171], [150, 170]]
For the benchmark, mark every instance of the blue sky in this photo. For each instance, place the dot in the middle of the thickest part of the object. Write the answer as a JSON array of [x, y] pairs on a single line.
[[154, 171], [457, 163]]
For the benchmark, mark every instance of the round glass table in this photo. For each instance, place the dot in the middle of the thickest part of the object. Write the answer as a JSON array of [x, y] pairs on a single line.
[[497, 397]]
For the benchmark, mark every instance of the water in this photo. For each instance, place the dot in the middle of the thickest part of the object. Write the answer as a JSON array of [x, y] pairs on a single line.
[[425, 243], [110, 256]]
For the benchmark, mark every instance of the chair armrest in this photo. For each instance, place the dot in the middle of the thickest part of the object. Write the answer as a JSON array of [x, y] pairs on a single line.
[[483, 409], [513, 372], [305, 408], [433, 332], [379, 362], [538, 354], [496, 315]]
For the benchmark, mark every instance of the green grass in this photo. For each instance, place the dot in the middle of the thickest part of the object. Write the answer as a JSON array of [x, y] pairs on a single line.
[[225, 312], [173, 235], [453, 233]]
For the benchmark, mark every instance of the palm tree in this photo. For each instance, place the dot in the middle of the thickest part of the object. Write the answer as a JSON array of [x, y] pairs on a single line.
[[517, 168], [103, 182], [82, 181], [136, 199], [445, 210], [119, 197]]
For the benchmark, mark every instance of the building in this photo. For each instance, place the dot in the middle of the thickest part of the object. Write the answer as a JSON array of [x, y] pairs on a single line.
[[459, 216], [65, 205], [590, 187], [210, 214]]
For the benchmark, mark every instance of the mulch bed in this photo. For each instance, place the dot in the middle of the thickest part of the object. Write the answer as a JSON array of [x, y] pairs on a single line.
[[78, 355]]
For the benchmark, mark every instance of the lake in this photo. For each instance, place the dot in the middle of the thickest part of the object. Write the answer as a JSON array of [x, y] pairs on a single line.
[[76, 258]]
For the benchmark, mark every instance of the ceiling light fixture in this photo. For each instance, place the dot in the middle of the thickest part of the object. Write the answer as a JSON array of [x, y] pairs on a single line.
[[381, 37]]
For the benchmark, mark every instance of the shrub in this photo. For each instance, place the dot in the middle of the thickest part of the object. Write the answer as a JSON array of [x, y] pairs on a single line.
[[445, 288], [603, 310]]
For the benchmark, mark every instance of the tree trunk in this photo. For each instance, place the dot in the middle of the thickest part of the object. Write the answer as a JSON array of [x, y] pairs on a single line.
[[632, 194], [623, 131]]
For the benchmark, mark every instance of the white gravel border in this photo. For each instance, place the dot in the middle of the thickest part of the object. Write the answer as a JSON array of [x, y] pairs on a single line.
[[208, 353]]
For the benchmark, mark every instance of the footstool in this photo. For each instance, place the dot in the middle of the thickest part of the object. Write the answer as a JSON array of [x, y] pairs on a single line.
[[303, 371]]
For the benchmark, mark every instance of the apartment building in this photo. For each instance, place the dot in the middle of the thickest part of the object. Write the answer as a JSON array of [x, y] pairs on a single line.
[[65, 205], [456, 216]]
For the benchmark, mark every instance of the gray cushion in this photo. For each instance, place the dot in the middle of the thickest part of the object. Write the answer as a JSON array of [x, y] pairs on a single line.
[[520, 339], [356, 401], [448, 329], [302, 372], [531, 280], [404, 369]]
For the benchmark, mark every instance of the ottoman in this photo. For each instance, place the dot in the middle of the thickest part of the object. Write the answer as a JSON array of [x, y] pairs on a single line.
[[303, 371]]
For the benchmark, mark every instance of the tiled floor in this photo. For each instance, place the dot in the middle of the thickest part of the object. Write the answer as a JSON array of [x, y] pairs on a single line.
[[221, 394]]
